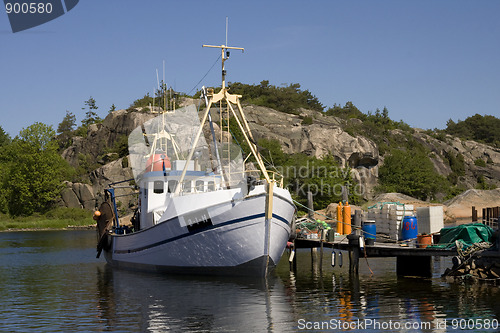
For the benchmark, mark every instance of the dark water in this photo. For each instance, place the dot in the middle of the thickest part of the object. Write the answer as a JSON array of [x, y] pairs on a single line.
[[50, 281]]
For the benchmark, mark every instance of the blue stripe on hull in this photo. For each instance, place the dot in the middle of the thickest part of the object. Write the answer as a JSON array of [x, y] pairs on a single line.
[[220, 225]]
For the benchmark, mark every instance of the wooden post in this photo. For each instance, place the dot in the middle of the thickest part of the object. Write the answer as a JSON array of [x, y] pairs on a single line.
[[321, 250], [357, 222], [353, 238], [474, 214], [310, 205], [353, 254], [314, 254], [498, 227], [496, 212]]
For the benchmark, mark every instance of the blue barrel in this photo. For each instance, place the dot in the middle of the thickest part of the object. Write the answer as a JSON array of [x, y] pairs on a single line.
[[409, 228], [369, 231]]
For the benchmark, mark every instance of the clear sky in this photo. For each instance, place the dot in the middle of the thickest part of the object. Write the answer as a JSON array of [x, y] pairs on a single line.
[[425, 60]]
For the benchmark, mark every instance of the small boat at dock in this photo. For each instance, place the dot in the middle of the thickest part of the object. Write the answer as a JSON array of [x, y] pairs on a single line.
[[200, 211]]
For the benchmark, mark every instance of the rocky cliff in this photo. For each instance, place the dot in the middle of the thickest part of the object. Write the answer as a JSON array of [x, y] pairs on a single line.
[[323, 135], [473, 153]]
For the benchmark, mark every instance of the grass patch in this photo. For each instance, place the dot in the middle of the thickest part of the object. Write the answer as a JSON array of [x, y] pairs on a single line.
[[58, 218]]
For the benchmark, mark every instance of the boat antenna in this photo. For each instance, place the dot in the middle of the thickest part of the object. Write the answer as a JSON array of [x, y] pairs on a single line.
[[164, 88], [225, 55], [154, 101], [157, 79]]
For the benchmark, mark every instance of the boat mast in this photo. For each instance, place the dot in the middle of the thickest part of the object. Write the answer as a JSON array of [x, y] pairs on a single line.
[[233, 99], [230, 100]]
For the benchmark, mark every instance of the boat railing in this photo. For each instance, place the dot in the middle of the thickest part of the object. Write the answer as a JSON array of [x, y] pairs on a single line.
[[216, 182]]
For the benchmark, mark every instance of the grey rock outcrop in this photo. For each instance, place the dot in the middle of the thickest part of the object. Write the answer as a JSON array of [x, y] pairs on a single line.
[[90, 196], [471, 151], [78, 195], [324, 136], [100, 137]]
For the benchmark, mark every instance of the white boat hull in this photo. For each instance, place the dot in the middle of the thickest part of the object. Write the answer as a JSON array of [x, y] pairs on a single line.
[[234, 238]]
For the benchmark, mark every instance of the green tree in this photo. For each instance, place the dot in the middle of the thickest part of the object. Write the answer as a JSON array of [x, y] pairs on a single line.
[[477, 127], [142, 102], [35, 171], [349, 110], [91, 116], [410, 172], [4, 137], [67, 125], [288, 98], [4, 143], [66, 130]]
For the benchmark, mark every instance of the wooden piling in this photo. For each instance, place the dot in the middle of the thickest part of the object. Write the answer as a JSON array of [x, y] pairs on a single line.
[[357, 222], [354, 258], [353, 238], [314, 254], [321, 249], [310, 205]]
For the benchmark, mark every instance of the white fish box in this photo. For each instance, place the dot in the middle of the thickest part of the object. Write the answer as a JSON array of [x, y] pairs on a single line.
[[430, 219], [400, 213]]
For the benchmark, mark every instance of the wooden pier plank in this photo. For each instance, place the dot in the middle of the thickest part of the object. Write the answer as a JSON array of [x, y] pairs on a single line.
[[378, 249]]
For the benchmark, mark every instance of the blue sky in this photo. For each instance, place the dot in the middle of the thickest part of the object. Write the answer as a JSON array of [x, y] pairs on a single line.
[[426, 61]]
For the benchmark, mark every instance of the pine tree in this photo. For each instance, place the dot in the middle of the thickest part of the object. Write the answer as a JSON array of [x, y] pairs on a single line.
[[91, 116]]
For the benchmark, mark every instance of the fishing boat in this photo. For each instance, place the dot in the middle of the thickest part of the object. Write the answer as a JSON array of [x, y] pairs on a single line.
[[200, 211]]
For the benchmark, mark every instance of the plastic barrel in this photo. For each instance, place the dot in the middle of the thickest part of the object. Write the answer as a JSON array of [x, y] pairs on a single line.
[[409, 228], [340, 219], [347, 218], [369, 231]]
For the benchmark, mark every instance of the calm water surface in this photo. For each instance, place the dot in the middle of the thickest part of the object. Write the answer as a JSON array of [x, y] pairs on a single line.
[[50, 281]]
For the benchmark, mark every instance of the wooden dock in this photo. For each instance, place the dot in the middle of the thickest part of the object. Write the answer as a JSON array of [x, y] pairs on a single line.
[[410, 261]]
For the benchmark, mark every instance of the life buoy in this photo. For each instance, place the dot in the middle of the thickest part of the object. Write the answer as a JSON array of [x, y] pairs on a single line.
[[158, 162]]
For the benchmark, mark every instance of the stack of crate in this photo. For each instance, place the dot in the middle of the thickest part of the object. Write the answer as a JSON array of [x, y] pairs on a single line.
[[388, 217], [430, 219]]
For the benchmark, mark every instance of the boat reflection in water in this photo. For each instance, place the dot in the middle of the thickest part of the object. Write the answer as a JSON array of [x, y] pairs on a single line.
[[160, 303]]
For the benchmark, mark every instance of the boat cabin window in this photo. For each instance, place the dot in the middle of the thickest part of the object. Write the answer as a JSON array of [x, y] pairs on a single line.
[[200, 186], [211, 186], [172, 184], [158, 186], [187, 186]]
